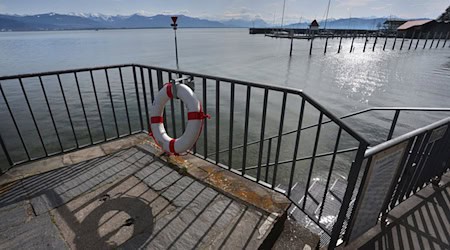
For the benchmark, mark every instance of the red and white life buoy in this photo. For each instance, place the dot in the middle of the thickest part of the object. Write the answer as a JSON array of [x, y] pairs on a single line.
[[194, 125]]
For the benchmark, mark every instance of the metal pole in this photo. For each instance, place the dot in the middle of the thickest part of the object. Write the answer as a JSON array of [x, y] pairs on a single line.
[[326, 44], [176, 47], [311, 46], [292, 41], [340, 41], [174, 25]]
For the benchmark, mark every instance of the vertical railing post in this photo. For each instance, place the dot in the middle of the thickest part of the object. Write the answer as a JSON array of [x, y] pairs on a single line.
[[393, 124], [112, 103], [144, 94], [262, 133], [217, 120], [230, 136], [247, 114], [326, 44], [311, 45], [137, 98], [352, 179], [340, 41]]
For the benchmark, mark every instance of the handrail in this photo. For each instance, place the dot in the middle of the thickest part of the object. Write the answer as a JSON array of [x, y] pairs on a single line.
[[385, 145], [431, 109], [283, 89]]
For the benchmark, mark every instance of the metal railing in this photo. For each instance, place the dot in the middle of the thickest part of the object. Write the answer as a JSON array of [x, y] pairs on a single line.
[[278, 137], [57, 112], [415, 160]]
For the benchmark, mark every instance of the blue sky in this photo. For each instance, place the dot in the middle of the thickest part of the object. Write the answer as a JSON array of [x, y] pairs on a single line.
[[227, 9]]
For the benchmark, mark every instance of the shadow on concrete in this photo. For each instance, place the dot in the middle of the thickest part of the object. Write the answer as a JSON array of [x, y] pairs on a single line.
[[131, 200], [425, 226]]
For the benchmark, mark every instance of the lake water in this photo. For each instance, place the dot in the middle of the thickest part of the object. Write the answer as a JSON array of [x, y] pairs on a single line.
[[343, 82]]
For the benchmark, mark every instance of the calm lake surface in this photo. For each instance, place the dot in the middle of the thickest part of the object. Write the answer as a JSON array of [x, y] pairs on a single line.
[[343, 83]]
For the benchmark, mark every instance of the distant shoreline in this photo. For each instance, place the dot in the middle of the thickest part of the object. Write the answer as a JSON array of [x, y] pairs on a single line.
[[143, 28]]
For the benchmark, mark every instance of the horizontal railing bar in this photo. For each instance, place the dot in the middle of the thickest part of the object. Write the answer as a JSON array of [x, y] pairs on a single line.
[[346, 116], [342, 151], [275, 88], [68, 71], [402, 138]]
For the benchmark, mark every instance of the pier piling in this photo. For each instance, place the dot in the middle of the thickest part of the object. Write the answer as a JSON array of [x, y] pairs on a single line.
[[445, 41], [351, 46], [439, 40], [339, 48], [432, 41], [412, 39], [418, 39], [403, 41], [426, 40], [385, 42], [395, 41], [375, 43]]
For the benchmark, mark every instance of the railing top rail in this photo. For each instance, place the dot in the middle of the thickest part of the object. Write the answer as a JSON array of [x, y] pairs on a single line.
[[299, 92], [309, 99], [396, 108], [68, 71], [385, 145]]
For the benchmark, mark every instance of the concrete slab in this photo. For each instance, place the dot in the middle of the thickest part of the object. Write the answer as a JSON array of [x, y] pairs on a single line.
[[131, 199], [59, 161]]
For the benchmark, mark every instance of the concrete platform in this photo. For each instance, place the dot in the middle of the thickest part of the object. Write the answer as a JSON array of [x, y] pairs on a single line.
[[134, 198]]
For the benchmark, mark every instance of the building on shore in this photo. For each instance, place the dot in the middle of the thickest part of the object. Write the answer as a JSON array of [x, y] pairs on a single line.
[[314, 27], [424, 27], [393, 24]]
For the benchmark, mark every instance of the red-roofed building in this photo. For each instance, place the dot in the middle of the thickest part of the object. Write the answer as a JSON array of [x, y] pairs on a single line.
[[426, 28]]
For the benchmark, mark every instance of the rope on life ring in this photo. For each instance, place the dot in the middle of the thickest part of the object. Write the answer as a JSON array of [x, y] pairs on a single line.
[[194, 125]]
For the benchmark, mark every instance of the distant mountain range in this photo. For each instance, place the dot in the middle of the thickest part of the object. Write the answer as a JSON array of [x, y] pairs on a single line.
[[54, 21]]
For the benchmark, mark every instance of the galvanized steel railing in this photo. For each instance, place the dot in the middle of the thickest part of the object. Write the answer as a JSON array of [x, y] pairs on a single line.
[[424, 159], [56, 112], [276, 136]]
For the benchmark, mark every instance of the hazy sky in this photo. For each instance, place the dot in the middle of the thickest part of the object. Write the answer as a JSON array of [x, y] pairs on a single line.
[[226, 9]]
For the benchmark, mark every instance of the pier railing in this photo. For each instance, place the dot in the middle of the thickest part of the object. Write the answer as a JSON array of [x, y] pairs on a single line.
[[52, 113], [397, 169], [278, 137]]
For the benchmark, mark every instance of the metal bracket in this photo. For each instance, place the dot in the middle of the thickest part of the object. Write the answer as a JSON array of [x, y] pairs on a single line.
[[186, 80]]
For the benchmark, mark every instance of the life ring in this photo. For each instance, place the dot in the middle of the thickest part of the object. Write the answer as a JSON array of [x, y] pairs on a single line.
[[194, 125]]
